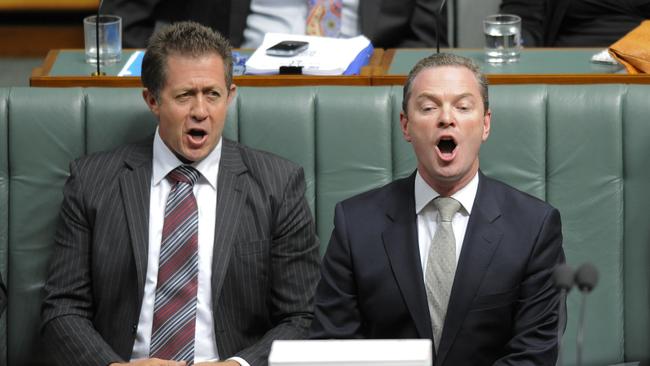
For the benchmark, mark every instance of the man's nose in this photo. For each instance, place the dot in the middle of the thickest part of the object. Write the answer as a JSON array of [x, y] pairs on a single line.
[[199, 110], [446, 117]]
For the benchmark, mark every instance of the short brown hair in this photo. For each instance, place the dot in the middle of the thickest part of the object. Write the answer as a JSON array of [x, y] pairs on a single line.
[[183, 38], [446, 59]]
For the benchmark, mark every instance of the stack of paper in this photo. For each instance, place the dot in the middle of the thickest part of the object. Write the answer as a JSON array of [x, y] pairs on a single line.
[[325, 56], [358, 352]]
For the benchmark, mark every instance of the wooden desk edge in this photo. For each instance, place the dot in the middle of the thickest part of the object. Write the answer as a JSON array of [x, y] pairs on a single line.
[[40, 77], [375, 73], [84, 82], [46, 67], [386, 61], [502, 79], [38, 80], [374, 65]]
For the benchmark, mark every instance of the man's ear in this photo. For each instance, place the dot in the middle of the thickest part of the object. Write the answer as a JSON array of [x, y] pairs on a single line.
[[151, 101], [487, 120], [231, 93], [404, 124]]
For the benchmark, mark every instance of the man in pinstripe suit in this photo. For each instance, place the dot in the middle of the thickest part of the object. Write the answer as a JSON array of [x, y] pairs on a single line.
[[257, 251]]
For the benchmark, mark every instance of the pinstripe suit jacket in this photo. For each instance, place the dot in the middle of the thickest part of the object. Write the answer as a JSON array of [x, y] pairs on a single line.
[[265, 264]]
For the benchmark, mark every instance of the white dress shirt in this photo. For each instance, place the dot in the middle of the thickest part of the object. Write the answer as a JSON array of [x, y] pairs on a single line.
[[427, 215], [205, 191], [290, 16]]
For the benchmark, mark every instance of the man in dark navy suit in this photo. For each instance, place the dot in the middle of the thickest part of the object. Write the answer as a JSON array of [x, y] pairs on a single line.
[[387, 266]]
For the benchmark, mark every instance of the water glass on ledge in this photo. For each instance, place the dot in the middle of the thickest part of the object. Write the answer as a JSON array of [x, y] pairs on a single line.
[[110, 39], [502, 38]]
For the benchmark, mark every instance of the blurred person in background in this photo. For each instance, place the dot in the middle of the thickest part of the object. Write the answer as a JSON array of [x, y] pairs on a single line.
[[387, 23], [576, 23]]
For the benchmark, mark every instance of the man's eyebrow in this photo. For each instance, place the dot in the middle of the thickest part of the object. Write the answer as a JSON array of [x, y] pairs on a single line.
[[464, 95], [429, 95]]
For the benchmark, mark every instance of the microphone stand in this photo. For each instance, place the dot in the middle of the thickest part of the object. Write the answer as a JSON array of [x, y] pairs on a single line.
[[581, 324], [560, 326], [586, 278], [98, 72], [563, 277], [442, 4]]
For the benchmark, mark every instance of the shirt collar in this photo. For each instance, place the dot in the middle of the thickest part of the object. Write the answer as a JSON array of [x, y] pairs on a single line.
[[425, 194], [164, 161]]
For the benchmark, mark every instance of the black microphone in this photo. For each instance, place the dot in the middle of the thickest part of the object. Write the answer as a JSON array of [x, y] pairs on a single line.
[[586, 279], [97, 37], [563, 277], [439, 20]]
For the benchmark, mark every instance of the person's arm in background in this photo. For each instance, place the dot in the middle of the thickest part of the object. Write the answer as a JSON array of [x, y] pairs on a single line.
[[138, 19], [424, 20], [532, 13]]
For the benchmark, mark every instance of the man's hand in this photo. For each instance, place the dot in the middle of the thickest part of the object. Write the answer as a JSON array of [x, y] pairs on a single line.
[[151, 362]]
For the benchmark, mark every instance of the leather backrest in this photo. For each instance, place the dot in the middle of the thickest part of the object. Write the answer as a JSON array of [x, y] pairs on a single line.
[[4, 212], [582, 148]]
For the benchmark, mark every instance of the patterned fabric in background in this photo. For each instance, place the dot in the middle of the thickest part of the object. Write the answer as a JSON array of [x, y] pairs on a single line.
[[324, 18]]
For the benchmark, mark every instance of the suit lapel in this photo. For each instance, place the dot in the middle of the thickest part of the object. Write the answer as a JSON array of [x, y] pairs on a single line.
[[231, 192], [481, 240], [401, 245], [135, 186]]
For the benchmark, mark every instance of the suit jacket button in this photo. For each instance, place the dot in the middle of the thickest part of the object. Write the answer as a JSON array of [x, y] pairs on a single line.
[[134, 329]]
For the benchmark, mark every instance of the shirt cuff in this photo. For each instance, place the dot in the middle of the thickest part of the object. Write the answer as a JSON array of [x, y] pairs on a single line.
[[241, 361]]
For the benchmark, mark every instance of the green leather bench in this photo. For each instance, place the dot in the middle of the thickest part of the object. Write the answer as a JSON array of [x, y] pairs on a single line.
[[585, 149]]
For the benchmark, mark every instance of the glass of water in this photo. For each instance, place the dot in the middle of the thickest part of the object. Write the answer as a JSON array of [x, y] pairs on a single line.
[[502, 38], [110, 39]]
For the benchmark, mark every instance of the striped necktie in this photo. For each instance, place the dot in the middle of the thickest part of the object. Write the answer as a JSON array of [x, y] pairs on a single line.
[[174, 319], [324, 18]]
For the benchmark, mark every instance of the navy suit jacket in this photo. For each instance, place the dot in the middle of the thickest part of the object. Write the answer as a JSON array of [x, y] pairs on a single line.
[[503, 306], [387, 23]]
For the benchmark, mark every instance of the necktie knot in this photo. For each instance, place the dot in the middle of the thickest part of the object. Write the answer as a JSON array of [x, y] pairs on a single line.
[[447, 207], [184, 174]]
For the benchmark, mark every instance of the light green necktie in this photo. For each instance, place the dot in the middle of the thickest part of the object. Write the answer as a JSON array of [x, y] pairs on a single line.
[[441, 265]]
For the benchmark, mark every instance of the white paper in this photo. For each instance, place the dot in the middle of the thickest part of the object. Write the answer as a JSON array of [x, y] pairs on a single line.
[[358, 352], [325, 56], [126, 70]]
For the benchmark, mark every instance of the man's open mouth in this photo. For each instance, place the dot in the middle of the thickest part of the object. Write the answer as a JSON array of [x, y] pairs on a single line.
[[197, 133], [446, 145]]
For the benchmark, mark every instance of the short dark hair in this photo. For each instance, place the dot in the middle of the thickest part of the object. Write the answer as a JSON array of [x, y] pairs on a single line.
[[446, 59], [186, 39]]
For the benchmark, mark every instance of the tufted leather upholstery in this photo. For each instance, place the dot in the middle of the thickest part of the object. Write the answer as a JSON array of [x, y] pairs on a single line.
[[585, 149]]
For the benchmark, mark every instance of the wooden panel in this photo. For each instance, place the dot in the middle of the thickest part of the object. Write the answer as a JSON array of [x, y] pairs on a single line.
[[36, 41], [63, 5]]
